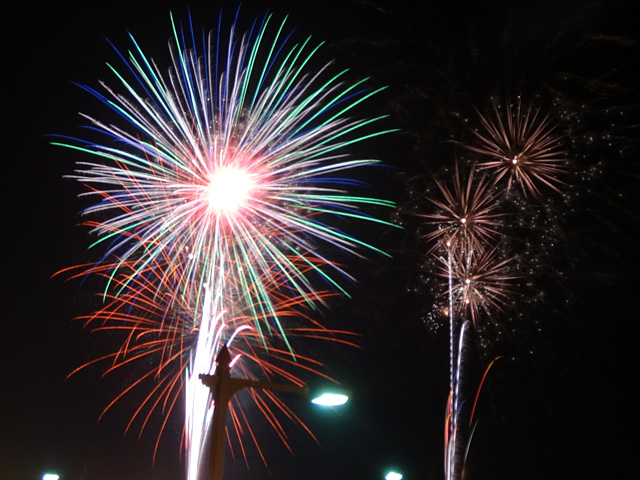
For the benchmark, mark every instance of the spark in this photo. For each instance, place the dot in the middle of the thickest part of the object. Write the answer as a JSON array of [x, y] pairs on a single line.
[[478, 281], [467, 216], [522, 146]]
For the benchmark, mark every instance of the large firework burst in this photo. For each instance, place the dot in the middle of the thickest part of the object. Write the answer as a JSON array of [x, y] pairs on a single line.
[[230, 158], [222, 186]]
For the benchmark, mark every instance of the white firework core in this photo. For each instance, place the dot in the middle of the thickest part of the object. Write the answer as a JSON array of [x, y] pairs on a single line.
[[228, 189]]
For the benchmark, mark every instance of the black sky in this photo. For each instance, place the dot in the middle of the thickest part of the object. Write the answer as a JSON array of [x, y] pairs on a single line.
[[560, 405]]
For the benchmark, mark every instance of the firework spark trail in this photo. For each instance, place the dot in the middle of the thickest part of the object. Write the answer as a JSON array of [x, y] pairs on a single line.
[[452, 433], [199, 407], [160, 348], [454, 454], [451, 315], [460, 424], [449, 425], [232, 167]]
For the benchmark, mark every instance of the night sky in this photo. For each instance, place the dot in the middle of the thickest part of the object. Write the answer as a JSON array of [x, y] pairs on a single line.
[[562, 401]]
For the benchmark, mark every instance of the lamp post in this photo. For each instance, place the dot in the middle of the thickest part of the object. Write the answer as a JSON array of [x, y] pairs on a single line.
[[223, 386]]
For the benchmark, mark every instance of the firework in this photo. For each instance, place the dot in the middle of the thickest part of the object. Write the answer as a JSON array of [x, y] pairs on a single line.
[[522, 146], [519, 146], [230, 173], [477, 281], [227, 160], [467, 217], [469, 243]]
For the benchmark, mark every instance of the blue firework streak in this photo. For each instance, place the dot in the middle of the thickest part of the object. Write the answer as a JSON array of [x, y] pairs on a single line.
[[232, 168]]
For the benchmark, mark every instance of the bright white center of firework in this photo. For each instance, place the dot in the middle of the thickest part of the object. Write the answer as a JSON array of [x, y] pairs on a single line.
[[467, 281], [228, 189], [515, 160], [463, 220]]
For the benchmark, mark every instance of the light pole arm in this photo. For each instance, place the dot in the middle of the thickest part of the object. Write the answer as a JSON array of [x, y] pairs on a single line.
[[223, 386], [236, 384]]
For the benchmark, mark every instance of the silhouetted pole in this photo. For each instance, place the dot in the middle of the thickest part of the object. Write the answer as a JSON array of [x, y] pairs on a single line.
[[223, 386]]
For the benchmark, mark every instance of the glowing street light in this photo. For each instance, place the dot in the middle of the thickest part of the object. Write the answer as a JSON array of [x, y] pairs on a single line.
[[223, 386], [330, 399]]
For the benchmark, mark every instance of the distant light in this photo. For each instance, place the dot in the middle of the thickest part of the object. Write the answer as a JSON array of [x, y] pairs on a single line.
[[330, 399], [50, 476], [393, 476]]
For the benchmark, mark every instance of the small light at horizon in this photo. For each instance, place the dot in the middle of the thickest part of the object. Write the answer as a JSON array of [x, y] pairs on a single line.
[[50, 476], [330, 399], [393, 476]]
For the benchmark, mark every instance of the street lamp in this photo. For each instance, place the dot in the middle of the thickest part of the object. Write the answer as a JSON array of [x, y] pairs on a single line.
[[393, 476], [330, 399], [223, 386]]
